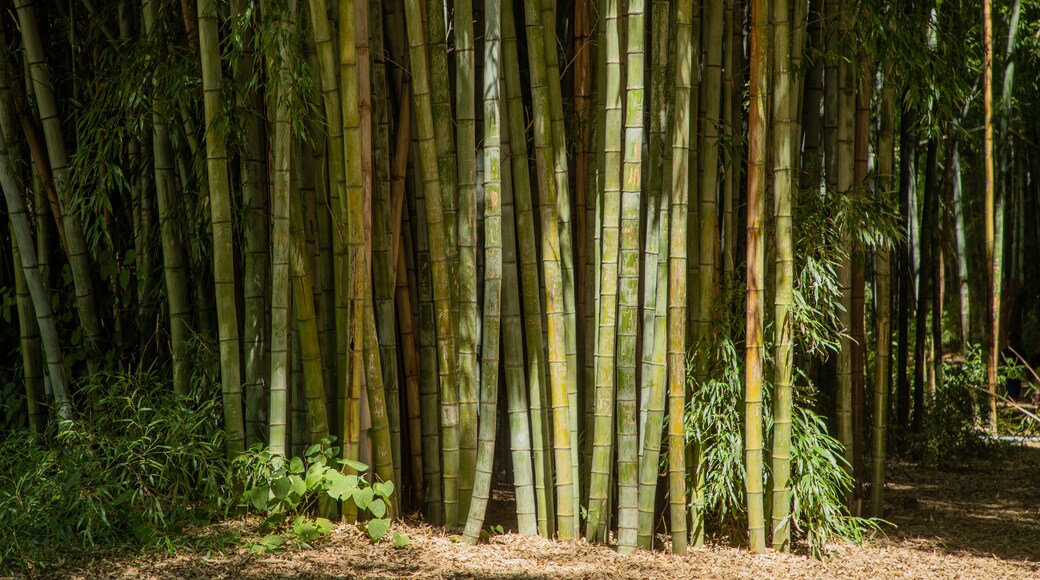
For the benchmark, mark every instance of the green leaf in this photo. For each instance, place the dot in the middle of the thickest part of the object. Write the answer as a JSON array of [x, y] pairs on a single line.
[[273, 542], [306, 529], [340, 486], [377, 507], [281, 487], [259, 496], [401, 540], [324, 525], [316, 475], [384, 488], [378, 528], [363, 497], [355, 465], [296, 465], [299, 487]]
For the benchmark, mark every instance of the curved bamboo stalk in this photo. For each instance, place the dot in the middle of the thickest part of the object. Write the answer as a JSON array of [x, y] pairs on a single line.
[[76, 245], [22, 230], [31, 346]]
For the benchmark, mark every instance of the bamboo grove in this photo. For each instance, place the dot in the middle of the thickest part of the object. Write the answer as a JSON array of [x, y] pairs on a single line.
[[625, 258]]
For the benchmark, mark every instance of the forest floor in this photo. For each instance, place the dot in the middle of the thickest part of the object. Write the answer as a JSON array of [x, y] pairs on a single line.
[[980, 522]]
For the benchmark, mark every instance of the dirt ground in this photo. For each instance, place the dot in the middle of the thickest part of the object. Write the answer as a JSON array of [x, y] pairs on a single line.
[[978, 523]]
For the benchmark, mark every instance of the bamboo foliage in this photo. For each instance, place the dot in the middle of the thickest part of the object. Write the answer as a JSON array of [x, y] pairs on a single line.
[[410, 267]]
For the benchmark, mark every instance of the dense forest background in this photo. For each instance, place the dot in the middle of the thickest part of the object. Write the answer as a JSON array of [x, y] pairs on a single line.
[[683, 267]]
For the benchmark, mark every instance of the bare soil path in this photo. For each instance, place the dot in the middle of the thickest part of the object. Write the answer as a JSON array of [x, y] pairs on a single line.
[[978, 523]]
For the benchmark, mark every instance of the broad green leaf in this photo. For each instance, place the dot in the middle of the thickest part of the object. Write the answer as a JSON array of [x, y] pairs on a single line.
[[281, 487], [324, 525], [299, 487], [355, 465], [384, 488], [378, 528], [363, 497], [315, 475], [259, 496], [377, 507], [401, 540], [296, 465], [341, 486], [273, 542]]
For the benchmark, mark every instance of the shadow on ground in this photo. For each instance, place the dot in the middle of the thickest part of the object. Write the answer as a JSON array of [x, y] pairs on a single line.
[[989, 510]]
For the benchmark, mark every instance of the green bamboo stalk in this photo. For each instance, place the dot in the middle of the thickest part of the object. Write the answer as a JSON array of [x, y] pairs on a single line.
[[380, 430], [553, 275], [441, 231], [31, 346], [603, 428], [352, 201], [708, 159], [563, 208], [382, 242], [256, 276], [465, 136], [677, 288], [883, 359], [41, 298], [281, 244], [783, 328], [428, 385], [628, 285], [76, 245], [306, 319], [410, 360], [513, 350], [845, 159], [655, 285], [223, 239], [493, 270], [755, 274], [436, 16], [529, 277], [174, 268], [330, 90]]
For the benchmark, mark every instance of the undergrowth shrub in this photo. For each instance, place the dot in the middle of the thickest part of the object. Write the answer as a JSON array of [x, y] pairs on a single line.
[[288, 492], [133, 468]]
